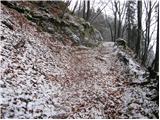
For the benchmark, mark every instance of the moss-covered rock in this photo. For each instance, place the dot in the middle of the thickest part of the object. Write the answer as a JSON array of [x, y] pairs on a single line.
[[72, 35]]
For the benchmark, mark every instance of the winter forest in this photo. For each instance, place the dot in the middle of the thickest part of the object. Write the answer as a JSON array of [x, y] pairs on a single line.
[[134, 21], [79, 59]]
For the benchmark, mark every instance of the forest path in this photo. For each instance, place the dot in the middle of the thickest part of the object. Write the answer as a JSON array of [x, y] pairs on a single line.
[[42, 78], [94, 90]]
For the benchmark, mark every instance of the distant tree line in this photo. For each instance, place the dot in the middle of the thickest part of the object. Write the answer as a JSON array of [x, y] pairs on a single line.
[[127, 22]]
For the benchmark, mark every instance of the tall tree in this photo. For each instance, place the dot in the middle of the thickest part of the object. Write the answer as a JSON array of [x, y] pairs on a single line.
[[75, 6], [147, 34], [139, 18], [156, 68], [110, 27], [121, 15], [98, 13], [149, 7], [115, 19], [130, 17], [155, 63], [84, 9], [88, 10], [79, 9]]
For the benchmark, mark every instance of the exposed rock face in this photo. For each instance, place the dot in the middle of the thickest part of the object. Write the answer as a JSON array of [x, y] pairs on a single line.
[[80, 31], [43, 76]]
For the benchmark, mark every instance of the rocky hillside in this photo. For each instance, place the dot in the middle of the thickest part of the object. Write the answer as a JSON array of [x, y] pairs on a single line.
[[53, 17], [54, 66]]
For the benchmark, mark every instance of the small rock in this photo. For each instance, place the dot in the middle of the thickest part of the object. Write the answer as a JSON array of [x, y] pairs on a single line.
[[2, 37]]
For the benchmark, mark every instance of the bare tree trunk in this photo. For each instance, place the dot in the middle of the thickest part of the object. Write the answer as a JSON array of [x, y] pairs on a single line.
[[129, 23], [115, 21], [75, 6], [114, 9], [119, 28], [79, 9], [115, 26], [129, 33], [110, 27], [155, 63], [65, 8], [139, 17], [123, 30], [88, 10], [84, 9], [130, 17], [156, 68], [120, 20], [147, 39], [94, 17]]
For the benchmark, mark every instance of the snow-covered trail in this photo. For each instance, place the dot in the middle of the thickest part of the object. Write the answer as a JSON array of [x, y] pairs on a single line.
[[42, 78]]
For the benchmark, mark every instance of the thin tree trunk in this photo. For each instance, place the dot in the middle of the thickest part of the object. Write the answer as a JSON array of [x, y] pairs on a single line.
[[84, 9], [129, 33], [115, 21], [120, 21], [94, 17], [147, 40], [119, 29], [115, 26], [156, 60], [110, 27], [139, 16], [129, 25], [88, 10], [75, 6], [79, 9]]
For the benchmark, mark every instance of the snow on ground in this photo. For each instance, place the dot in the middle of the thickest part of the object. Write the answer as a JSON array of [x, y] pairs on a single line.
[[136, 103], [42, 78]]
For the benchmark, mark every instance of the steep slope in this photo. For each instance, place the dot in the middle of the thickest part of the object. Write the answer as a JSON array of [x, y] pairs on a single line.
[[54, 17], [41, 77]]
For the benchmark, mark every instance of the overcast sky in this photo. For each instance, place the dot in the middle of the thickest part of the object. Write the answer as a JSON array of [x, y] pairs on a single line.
[[95, 4]]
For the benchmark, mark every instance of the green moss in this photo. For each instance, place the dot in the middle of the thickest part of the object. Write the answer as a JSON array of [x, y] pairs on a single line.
[[88, 31], [29, 17], [64, 23], [121, 42], [22, 10], [57, 21], [92, 29]]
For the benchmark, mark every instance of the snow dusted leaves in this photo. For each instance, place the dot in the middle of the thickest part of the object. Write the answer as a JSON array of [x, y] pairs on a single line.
[[38, 82], [42, 78]]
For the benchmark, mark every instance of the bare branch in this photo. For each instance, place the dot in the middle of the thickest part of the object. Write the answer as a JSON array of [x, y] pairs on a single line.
[[99, 12]]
